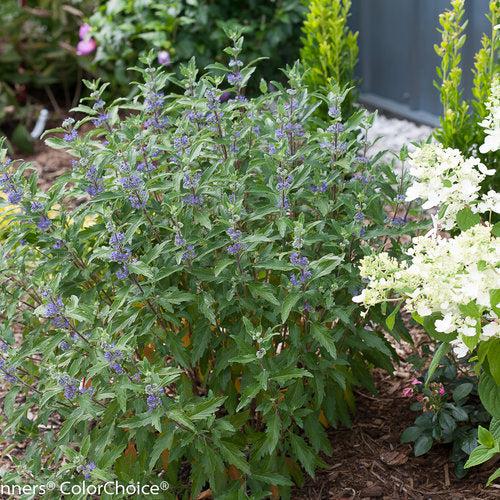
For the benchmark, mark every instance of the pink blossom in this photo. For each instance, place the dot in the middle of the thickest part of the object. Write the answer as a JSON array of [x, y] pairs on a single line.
[[163, 58], [84, 30], [86, 47], [442, 392], [407, 392], [415, 381]]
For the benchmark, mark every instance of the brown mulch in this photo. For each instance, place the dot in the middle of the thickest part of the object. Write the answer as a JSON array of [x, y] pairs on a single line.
[[368, 460], [50, 163]]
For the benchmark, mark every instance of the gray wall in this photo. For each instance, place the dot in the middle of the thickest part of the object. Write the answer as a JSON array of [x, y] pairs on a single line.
[[397, 60]]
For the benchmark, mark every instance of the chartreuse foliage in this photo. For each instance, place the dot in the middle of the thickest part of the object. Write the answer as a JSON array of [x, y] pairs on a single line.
[[460, 124], [183, 296], [330, 48]]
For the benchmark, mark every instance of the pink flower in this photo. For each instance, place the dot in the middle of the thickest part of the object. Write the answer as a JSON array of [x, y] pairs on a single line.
[[407, 392], [163, 58], [415, 381], [86, 47], [84, 30], [442, 392]]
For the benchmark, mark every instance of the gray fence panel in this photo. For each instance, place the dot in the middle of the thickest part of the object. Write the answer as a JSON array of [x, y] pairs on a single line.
[[397, 60]]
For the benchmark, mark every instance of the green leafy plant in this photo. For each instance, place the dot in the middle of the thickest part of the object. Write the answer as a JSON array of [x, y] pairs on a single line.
[[450, 413], [460, 123], [127, 29], [183, 297], [38, 63], [487, 449], [330, 48]]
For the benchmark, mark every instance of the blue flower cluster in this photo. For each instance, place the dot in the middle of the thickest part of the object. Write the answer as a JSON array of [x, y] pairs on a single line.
[[120, 254], [54, 310], [153, 398], [14, 193], [113, 355], [95, 185], [236, 246], [304, 274], [7, 371], [188, 250], [134, 185], [86, 469]]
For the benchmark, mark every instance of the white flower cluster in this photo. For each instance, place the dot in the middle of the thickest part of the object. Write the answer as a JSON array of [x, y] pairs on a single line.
[[491, 123], [451, 277], [444, 178]]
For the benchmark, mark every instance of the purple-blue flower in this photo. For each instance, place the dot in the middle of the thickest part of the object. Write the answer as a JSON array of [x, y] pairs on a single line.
[[44, 223], [101, 118], [284, 182], [189, 253], [70, 136], [70, 386], [359, 216], [193, 200]]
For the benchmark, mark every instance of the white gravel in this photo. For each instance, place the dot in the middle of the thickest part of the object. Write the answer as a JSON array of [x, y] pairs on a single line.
[[393, 134]]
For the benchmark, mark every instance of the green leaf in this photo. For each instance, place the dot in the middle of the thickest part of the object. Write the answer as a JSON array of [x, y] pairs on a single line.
[[411, 434], [441, 351], [462, 391], [273, 432], [263, 291], [489, 393], [233, 455], [485, 437], [290, 300], [141, 268], [480, 455], [325, 338], [206, 408], [289, 374], [493, 356], [493, 477], [221, 265], [422, 445], [263, 86], [161, 443], [466, 219], [304, 453], [391, 319]]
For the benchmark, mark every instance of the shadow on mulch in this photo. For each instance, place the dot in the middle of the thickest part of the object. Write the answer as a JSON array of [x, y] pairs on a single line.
[[370, 462]]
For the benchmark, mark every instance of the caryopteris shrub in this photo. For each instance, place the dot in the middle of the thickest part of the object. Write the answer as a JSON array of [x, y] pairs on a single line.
[[183, 297]]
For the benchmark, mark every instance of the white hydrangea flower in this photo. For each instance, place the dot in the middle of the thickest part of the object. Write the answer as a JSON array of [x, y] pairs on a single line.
[[443, 178], [443, 276], [459, 348], [491, 123], [490, 202]]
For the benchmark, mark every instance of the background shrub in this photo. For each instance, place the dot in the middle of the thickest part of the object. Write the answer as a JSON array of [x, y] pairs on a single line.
[[38, 62], [330, 48], [183, 297], [460, 123], [126, 29]]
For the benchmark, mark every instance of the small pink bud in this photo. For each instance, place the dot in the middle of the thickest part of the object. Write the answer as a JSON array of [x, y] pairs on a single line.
[[407, 392], [163, 58], [86, 47], [415, 381], [84, 30], [442, 392]]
